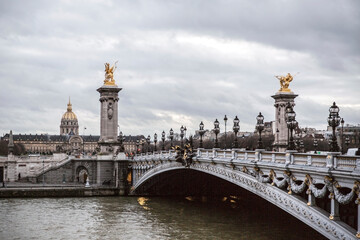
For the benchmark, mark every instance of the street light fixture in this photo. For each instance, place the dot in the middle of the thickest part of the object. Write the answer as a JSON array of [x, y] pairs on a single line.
[[334, 121], [171, 136], [143, 145], [225, 120], [182, 129], [201, 132], [137, 146], [148, 143], [302, 145], [236, 129], [163, 140], [315, 145], [155, 140], [347, 142], [185, 131], [291, 124], [342, 135], [216, 131], [260, 128]]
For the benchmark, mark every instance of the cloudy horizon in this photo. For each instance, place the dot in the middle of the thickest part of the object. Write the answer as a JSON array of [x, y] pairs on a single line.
[[179, 62]]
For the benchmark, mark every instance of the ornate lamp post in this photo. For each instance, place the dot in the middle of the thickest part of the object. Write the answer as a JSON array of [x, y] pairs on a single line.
[[155, 140], [302, 145], [259, 128], [236, 129], [347, 142], [201, 132], [148, 143], [137, 146], [185, 131], [143, 145], [182, 129], [334, 121], [315, 145], [291, 124], [163, 140], [171, 136], [342, 135], [225, 120], [216, 131]]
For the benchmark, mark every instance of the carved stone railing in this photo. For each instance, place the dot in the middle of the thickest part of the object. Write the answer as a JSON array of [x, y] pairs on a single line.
[[341, 162]]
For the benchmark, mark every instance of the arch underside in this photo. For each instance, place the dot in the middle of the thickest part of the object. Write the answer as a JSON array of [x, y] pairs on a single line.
[[313, 216]]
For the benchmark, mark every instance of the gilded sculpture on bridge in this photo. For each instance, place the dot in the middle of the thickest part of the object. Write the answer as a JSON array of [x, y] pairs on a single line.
[[284, 82], [109, 74], [184, 155]]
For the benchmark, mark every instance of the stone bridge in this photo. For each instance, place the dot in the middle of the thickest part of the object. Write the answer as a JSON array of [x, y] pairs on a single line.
[[320, 190]]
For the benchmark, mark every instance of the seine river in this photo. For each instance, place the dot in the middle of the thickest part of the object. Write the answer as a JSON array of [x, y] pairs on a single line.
[[147, 218]]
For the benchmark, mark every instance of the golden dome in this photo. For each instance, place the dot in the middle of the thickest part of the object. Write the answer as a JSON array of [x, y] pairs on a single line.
[[69, 115]]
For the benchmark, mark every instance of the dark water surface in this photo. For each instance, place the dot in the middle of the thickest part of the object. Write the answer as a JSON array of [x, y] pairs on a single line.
[[147, 218]]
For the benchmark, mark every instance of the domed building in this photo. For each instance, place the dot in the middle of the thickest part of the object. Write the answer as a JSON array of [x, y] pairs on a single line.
[[69, 122]]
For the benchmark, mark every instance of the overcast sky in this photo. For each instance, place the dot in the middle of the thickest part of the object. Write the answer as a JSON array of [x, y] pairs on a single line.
[[179, 62]]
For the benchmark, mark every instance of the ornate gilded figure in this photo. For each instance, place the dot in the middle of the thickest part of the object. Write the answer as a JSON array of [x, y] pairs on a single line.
[[109, 74], [284, 82]]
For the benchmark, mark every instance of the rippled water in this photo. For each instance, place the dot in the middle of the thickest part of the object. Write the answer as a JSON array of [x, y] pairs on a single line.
[[146, 218]]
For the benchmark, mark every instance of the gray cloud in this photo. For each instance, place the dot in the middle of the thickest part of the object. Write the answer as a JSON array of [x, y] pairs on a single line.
[[180, 62]]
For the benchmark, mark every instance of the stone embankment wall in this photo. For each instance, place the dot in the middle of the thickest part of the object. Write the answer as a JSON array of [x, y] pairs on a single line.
[[65, 172], [57, 192]]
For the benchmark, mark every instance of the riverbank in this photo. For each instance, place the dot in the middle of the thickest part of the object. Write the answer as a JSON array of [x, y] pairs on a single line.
[[39, 191]]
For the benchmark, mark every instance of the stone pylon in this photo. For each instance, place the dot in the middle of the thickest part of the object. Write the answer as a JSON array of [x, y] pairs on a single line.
[[11, 143], [108, 118], [281, 101]]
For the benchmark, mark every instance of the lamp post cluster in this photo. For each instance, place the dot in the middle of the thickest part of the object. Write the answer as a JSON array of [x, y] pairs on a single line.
[[163, 140], [182, 129], [236, 129], [334, 121], [315, 145], [225, 120], [259, 128], [216, 131], [201, 132]]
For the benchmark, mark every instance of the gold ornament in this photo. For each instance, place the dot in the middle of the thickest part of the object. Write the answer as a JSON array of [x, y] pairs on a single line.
[[109, 74], [284, 82]]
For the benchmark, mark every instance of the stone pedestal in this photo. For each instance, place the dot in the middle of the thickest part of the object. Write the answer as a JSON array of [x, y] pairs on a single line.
[[108, 118], [122, 177], [281, 100]]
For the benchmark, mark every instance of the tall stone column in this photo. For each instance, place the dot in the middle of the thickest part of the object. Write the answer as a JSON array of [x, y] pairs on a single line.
[[108, 113], [282, 98]]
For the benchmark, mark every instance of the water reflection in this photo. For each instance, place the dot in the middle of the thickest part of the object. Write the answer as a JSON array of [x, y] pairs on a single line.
[[146, 218]]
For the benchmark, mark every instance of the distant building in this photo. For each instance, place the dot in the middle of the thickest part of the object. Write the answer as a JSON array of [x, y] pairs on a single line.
[[69, 122], [130, 143], [69, 140]]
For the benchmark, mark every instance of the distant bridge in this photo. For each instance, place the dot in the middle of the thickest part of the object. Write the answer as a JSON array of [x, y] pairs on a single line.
[[294, 182]]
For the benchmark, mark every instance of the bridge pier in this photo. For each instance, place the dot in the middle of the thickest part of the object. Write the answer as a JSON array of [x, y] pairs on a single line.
[[122, 172]]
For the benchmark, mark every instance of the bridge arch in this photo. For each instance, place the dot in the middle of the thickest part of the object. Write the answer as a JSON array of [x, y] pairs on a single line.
[[292, 204]]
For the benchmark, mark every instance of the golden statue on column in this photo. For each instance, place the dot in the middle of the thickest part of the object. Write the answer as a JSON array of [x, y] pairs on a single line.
[[284, 82], [109, 74]]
